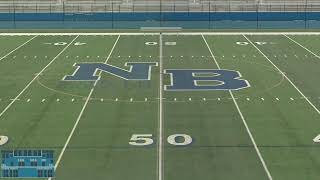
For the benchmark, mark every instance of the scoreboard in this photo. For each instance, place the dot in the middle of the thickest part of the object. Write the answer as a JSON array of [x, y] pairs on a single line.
[[27, 163]]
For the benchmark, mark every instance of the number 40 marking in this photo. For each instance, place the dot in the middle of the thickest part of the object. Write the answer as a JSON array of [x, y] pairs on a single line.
[[146, 139], [65, 43]]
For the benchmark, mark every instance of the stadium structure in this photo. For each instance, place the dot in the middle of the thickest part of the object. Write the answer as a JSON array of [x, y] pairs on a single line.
[[159, 89]]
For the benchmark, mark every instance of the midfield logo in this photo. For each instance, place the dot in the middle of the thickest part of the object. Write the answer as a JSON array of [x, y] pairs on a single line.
[[181, 79]]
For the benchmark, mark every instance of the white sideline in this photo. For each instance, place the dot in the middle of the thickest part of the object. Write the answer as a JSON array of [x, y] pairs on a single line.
[[18, 47], [160, 153], [81, 112], [157, 33], [80, 33], [302, 46], [243, 119], [284, 75], [241, 33], [37, 75]]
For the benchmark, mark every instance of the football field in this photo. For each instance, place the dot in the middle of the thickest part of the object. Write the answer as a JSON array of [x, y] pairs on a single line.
[[154, 109]]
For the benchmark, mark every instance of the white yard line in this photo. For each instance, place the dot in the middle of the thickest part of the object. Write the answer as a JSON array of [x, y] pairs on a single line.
[[18, 47], [73, 129], [37, 75], [243, 119], [284, 75], [160, 146], [164, 33], [302, 46], [81, 112]]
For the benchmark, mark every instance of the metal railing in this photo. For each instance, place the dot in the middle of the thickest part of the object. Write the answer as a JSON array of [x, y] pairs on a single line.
[[153, 6]]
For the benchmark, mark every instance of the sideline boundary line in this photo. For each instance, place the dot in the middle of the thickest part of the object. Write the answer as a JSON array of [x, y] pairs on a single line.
[[82, 111], [164, 33], [18, 47], [37, 75], [241, 33], [243, 119], [284, 75]]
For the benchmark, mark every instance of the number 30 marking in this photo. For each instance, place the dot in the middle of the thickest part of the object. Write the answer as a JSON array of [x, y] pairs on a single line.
[[146, 139]]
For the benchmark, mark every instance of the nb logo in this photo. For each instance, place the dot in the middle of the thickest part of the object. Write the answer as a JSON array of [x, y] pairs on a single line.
[[181, 79]]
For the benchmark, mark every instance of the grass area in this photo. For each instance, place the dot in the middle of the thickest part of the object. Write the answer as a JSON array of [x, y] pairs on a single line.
[[265, 131]]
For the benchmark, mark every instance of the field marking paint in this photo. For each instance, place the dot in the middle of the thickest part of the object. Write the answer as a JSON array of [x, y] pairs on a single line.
[[36, 77], [160, 153], [73, 129], [243, 119], [241, 33], [302, 46], [18, 47], [81, 112], [80, 34], [157, 33], [284, 75]]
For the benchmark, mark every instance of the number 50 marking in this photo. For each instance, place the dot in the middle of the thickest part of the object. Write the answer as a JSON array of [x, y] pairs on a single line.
[[146, 139]]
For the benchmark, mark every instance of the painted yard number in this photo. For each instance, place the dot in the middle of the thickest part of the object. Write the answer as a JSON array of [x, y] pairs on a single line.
[[261, 43], [65, 43], [174, 139], [168, 43], [146, 139], [3, 140], [317, 139]]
